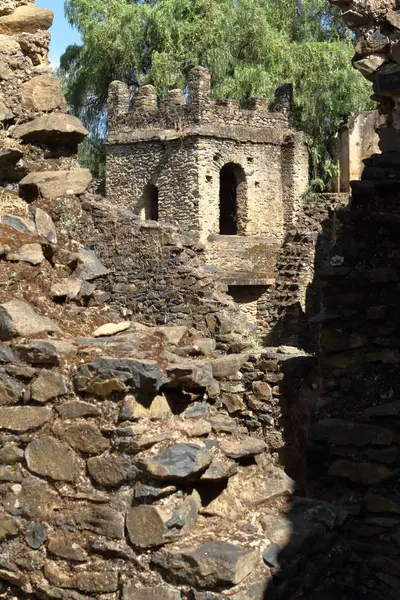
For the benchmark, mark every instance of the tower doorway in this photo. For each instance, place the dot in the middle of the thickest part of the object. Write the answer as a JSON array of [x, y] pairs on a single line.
[[150, 203], [232, 196]]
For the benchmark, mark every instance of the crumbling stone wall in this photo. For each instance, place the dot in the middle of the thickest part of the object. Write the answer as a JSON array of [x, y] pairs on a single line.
[[183, 147]]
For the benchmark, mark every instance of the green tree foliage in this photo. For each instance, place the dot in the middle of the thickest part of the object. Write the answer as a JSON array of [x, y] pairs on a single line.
[[250, 46]]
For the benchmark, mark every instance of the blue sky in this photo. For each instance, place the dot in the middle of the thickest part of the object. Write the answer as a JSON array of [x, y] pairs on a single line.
[[62, 34]]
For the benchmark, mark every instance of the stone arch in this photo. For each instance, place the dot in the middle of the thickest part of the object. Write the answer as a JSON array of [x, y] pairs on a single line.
[[148, 206], [232, 199]]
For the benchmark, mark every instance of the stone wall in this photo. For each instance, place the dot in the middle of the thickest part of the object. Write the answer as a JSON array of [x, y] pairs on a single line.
[[181, 149], [357, 141]]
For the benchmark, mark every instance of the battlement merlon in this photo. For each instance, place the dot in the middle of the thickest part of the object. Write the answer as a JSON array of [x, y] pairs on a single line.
[[172, 118]]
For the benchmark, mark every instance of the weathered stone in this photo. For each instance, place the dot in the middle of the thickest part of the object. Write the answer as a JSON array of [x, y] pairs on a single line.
[[19, 224], [68, 288], [52, 184], [146, 526], [18, 318], [211, 565], [53, 130], [84, 437], [77, 409], [243, 447], [195, 428], [26, 19], [151, 492], [10, 390], [42, 93], [219, 470], [38, 353], [92, 582], [142, 442], [180, 462], [271, 555], [196, 410], [23, 418], [363, 473], [111, 329], [227, 366], [89, 267], [156, 408], [172, 334], [389, 409], [101, 520], [36, 535], [9, 528], [107, 375], [65, 546], [5, 113], [250, 486], [8, 45], [50, 458], [49, 385], [376, 503], [159, 592], [262, 390], [30, 253], [45, 226], [6, 355], [34, 498], [189, 376], [233, 403], [108, 471], [184, 515], [341, 432], [221, 423], [86, 581], [10, 454]]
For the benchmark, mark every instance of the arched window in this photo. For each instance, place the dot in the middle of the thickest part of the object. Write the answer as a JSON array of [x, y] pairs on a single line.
[[149, 209], [232, 199]]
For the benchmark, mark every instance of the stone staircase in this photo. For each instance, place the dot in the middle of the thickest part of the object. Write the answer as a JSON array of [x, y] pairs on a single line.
[[284, 306]]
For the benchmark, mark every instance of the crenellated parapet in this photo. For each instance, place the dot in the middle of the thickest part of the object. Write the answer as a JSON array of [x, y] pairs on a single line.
[[195, 112]]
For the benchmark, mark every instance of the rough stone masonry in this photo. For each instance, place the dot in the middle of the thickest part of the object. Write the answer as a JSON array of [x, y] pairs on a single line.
[[138, 460]]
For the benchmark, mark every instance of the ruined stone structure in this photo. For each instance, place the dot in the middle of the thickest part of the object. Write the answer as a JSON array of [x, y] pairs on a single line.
[[357, 140], [147, 450], [233, 176]]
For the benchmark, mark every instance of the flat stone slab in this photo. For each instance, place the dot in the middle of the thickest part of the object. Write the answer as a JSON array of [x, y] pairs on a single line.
[[49, 385], [211, 565], [19, 224], [48, 457], [26, 19], [107, 375], [18, 318], [363, 473], [241, 448], [23, 418], [178, 463], [30, 253], [159, 592], [52, 184], [111, 329], [55, 129], [347, 433], [90, 267]]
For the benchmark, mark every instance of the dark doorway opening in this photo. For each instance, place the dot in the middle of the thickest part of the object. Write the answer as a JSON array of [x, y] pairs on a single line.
[[150, 198], [227, 201], [232, 200]]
